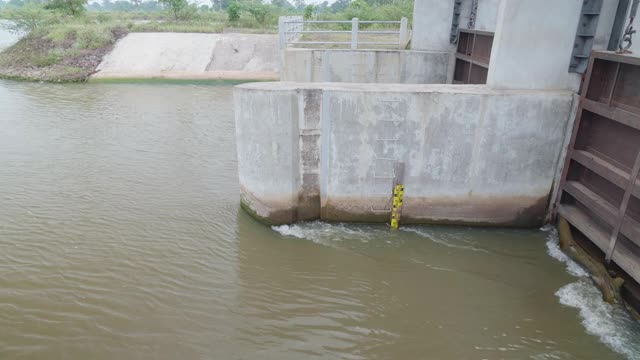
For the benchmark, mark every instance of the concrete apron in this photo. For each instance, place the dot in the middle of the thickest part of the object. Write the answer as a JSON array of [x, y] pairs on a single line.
[[192, 57], [472, 155]]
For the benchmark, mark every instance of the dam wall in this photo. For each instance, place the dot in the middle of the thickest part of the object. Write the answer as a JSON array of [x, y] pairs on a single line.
[[471, 154], [366, 66], [193, 56]]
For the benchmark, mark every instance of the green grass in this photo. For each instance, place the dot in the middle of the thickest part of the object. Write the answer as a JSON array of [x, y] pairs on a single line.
[[48, 59], [191, 27], [81, 35]]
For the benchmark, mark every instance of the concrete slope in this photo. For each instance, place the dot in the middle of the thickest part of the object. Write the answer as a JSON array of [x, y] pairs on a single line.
[[193, 56]]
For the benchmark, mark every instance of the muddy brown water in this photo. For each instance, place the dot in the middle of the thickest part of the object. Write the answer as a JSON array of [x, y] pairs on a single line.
[[121, 237]]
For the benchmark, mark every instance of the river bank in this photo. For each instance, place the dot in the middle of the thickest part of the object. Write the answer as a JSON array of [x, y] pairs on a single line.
[[70, 56], [78, 52]]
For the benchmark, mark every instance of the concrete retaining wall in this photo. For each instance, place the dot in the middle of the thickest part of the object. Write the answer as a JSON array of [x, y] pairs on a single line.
[[472, 154], [366, 66]]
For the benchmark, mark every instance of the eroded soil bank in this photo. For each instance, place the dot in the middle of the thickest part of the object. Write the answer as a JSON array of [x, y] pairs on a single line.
[[39, 57]]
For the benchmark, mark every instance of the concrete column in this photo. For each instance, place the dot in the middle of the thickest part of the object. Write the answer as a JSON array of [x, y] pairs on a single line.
[[432, 25], [533, 44], [605, 24], [635, 47], [487, 15]]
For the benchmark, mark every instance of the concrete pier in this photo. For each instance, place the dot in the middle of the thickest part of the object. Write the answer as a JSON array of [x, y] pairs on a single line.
[[472, 154]]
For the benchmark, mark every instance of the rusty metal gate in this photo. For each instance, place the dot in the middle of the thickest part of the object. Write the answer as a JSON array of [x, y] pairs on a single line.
[[600, 195]]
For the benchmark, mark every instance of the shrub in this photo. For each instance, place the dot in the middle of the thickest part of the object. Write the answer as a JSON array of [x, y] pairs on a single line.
[[175, 6], [258, 10], [308, 12], [103, 17], [61, 33], [94, 37], [188, 12], [68, 7], [46, 59], [358, 9], [395, 10], [27, 18], [233, 12]]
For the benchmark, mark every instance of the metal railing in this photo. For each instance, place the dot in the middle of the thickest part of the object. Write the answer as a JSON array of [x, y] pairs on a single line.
[[292, 31]]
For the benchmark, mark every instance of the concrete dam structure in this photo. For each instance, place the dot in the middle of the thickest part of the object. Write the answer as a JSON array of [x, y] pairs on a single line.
[[501, 114], [477, 122], [472, 155]]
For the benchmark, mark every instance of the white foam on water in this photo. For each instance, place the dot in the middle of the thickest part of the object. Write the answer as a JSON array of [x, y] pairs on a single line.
[[553, 249], [289, 230], [439, 240], [611, 323], [325, 233]]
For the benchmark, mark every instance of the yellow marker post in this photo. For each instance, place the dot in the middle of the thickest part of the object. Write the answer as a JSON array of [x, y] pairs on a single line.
[[396, 210]]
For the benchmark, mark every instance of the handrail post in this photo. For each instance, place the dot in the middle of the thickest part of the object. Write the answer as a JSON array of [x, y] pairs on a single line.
[[354, 33], [404, 38], [281, 31]]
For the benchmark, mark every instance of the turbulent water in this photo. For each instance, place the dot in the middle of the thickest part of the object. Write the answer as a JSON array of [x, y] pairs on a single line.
[[121, 237]]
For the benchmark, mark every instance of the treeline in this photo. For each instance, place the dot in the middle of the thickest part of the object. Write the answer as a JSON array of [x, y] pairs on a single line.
[[262, 11], [180, 15]]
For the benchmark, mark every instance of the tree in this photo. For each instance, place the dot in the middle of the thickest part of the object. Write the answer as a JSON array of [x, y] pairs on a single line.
[[359, 9], [308, 12], [233, 11], [27, 18], [69, 7], [282, 4], [340, 5], [322, 7], [258, 10], [175, 6], [219, 4]]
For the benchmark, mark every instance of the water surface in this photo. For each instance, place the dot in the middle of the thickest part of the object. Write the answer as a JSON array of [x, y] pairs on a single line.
[[121, 237], [6, 38]]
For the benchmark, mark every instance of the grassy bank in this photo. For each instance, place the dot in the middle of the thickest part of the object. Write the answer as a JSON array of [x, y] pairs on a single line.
[[69, 49], [61, 53]]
